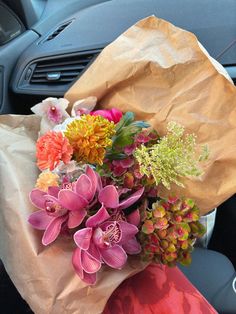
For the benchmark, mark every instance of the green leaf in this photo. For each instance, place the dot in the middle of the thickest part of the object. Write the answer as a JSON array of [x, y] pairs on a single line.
[[189, 202], [122, 140], [125, 120], [113, 155], [141, 124]]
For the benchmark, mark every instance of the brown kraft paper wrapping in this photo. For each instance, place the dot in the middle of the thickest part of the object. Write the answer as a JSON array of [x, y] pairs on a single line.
[[161, 73]]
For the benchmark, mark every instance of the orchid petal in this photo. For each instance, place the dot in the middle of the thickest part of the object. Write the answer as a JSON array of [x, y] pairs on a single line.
[[99, 182], [132, 246], [93, 251], [40, 219], [128, 231], [37, 199], [114, 257], [134, 218], [90, 265], [90, 279], [109, 196], [62, 127], [98, 238], [72, 201], [88, 103], [53, 190], [82, 238], [53, 230], [83, 187], [76, 262], [93, 176], [131, 199], [40, 108], [98, 218], [76, 217], [48, 197], [63, 103]]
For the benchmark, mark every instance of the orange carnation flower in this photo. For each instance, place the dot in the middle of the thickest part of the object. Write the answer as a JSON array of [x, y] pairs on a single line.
[[52, 148]]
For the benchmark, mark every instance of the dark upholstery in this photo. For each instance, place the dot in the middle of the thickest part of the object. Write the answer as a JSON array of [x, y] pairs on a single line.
[[213, 273], [224, 235], [10, 300]]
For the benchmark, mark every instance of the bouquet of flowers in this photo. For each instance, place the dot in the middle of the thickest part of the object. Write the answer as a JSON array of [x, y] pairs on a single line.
[[99, 186]]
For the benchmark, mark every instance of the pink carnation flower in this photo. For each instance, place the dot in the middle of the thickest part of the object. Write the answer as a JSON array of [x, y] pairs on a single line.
[[112, 115]]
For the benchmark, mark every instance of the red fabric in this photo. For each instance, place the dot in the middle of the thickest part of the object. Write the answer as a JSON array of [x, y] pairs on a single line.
[[158, 290]]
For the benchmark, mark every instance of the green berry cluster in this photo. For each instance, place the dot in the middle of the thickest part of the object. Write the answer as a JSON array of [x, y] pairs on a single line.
[[169, 231]]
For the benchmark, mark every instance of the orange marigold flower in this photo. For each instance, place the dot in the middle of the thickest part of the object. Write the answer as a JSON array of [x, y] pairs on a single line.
[[52, 148], [47, 179], [90, 136]]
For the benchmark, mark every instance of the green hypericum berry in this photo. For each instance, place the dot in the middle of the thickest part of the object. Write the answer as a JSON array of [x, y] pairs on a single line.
[[168, 234], [158, 211], [148, 227]]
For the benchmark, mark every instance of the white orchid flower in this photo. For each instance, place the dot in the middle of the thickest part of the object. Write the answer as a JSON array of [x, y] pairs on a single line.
[[53, 112], [83, 106]]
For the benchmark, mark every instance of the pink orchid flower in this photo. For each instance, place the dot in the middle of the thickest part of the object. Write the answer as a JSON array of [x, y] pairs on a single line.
[[60, 206], [103, 241], [112, 115], [109, 197]]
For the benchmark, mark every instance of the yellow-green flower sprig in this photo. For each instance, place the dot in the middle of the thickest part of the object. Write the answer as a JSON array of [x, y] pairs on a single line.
[[172, 158]]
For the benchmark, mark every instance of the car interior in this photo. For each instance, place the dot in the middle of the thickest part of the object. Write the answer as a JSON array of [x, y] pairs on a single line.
[[46, 45]]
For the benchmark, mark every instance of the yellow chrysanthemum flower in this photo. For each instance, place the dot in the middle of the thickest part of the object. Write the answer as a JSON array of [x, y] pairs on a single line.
[[46, 179], [90, 136]]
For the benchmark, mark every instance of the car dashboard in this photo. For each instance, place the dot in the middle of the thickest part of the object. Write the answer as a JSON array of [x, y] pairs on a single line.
[[64, 44]]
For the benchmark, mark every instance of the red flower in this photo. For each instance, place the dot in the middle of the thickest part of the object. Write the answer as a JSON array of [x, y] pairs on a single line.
[[52, 148]]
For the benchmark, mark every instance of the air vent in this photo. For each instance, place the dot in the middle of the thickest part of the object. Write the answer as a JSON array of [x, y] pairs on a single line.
[[57, 31], [61, 70]]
